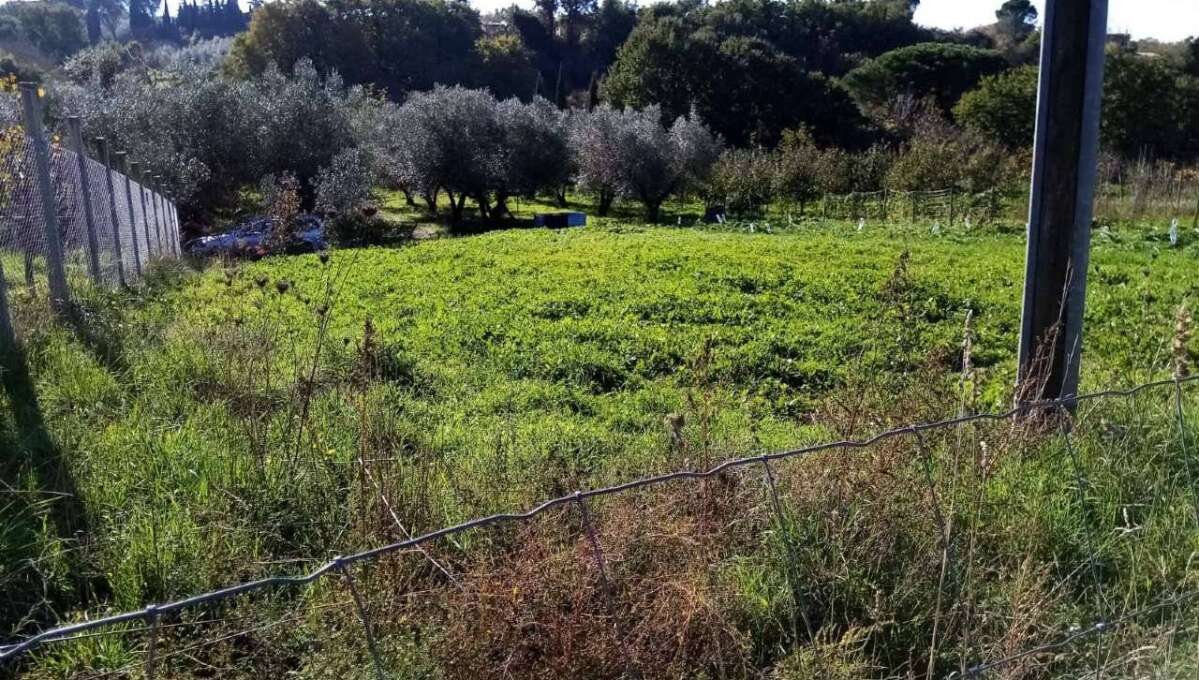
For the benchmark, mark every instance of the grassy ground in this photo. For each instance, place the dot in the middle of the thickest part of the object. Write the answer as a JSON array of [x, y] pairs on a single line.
[[251, 418]]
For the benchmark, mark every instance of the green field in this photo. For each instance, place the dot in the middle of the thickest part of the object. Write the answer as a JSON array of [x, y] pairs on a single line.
[[215, 427]]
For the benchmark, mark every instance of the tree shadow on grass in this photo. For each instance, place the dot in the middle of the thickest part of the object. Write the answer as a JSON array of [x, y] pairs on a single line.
[[41, 515]]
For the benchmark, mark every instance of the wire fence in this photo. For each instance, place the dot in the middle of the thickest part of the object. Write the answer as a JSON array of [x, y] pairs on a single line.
[[1051, 414], [948, 206], [1150, 194], [68, 217]]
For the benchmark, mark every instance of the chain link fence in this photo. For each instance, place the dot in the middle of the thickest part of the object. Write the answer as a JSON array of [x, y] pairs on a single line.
[[68, 217]]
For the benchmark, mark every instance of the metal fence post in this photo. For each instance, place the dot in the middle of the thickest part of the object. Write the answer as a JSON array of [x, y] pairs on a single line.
[[176, 232], [123, 158], [166, 224], [169, 218], [8, 340], [102, 149], [93, 243], [141, 194], [154, 206], [59, 293]]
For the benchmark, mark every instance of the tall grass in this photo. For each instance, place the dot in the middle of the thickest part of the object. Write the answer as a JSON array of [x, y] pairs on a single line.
[[255, 418]]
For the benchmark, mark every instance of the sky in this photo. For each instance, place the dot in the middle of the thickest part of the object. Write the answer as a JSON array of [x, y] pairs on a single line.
[[1167, 20]]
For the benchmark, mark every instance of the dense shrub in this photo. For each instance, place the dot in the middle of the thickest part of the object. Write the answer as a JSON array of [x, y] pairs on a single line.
[[744, 180], [939, 156], [101, 62], [743, 86], [398, 45], [1003, 107]]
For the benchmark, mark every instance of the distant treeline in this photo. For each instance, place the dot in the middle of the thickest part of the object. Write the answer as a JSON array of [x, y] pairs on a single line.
[[847, 71]]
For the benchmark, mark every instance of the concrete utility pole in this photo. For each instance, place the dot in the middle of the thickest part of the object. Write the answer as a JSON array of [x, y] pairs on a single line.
[[1065, 158]]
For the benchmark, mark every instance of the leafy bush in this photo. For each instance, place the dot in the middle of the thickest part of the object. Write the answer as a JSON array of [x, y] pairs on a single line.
[[939, 156], [744, 180], [345, 185], [101, 62], [1003, 107]]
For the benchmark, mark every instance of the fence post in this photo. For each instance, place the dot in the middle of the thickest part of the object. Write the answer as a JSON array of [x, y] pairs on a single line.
[[8, 340], [93, 243], [1195, 223], [59, 293], [177, 231], [167, 228], [154, 204], [102, 149], [172, 225], [1061, 200], [141, 194], [123, 158]]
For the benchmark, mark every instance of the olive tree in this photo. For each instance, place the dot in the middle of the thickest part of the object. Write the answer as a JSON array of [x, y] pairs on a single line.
[[465, 143], [453, 141], [208, 135], [537, 150], [595, 140], [631, 152]]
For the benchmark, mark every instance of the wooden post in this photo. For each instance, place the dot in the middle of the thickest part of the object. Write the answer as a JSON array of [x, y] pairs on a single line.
[[93, 243], [1065, 158], [102, 149], [59, 293], [123, 160]]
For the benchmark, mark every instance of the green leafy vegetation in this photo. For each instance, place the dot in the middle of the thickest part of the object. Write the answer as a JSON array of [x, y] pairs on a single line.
[[243, 420]]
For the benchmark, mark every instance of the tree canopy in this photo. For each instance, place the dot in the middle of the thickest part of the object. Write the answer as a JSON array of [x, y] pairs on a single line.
[[940, 71]]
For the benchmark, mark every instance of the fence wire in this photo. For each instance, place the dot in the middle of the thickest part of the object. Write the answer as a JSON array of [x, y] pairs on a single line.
[[109, 227], [339, 565]]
